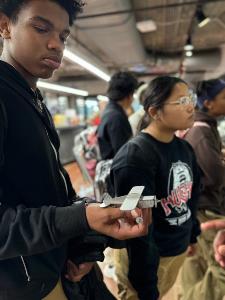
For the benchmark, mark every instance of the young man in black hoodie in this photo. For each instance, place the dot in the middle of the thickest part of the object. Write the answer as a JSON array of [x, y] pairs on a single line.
[[39, 211], [115, 130]]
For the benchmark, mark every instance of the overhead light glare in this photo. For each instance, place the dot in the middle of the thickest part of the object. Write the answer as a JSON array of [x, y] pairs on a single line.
[[189, 53], [146, 26], [86, 65], [102, 98], [202, 19], [61, 88], [188, 47], [204, 22]]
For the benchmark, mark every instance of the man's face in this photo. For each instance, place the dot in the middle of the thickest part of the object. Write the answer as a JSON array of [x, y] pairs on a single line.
[[37, 39], [217, 106]]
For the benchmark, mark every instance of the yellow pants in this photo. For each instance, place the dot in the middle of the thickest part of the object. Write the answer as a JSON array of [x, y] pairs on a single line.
[[57, 293]]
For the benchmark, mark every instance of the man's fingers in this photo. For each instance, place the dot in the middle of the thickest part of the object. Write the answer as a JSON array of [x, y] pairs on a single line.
[[219, 239], [220, 259], [221, 250], [114, 213], [147, 215], [214, 224], [72, 269]]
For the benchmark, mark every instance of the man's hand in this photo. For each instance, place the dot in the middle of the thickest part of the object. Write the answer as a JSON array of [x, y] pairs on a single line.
[[192, 249], [219, 241], [116, 223], [76, 273], [223, 151], [214, 224]]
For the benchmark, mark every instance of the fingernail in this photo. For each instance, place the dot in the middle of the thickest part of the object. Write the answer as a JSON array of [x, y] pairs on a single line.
[[139, 220]]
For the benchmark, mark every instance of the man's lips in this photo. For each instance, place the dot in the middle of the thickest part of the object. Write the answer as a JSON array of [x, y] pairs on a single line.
[[52, 63]]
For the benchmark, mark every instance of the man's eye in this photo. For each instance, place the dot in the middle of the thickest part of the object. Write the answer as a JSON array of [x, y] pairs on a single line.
[[63, 39], [41, 30]]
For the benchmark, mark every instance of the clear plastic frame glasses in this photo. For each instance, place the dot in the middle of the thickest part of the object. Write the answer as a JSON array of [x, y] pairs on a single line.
[[185, 100]]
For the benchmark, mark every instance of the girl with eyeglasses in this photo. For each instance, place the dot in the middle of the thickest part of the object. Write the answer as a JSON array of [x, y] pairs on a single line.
[[166, 166], [201, 273]]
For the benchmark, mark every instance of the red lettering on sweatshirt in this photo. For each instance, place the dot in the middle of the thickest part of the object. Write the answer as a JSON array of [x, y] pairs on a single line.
[[178, 196]]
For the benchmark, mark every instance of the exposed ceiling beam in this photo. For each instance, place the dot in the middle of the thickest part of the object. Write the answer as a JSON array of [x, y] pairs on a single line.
[[120, 12]]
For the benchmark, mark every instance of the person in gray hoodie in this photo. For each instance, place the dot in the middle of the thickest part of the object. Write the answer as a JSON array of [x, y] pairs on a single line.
[[202, 277]]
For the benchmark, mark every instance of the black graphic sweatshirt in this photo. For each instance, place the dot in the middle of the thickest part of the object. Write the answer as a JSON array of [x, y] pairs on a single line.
[[169, 171]]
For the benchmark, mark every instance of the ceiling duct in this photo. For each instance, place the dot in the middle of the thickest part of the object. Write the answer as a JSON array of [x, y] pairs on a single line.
[[116, 35]]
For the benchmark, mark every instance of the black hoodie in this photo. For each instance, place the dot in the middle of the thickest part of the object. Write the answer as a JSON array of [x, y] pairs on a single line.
[[114, 130], [206, 143], [36, 215]]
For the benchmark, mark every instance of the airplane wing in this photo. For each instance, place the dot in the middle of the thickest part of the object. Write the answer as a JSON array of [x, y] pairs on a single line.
[[132, 198]]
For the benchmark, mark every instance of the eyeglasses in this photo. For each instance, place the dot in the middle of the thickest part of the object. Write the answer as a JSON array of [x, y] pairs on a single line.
[[186, 100]]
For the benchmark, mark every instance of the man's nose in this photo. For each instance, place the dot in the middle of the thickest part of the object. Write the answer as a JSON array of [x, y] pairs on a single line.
[[55, 43]]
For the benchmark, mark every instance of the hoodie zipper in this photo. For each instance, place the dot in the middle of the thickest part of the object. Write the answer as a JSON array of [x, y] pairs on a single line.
[[56, 156], [25, 268]]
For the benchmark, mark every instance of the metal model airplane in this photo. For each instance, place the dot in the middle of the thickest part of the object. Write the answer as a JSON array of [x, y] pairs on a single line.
[[131, 201]]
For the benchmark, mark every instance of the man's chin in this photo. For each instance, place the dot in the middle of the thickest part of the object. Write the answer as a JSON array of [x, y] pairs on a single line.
[[45, 75]]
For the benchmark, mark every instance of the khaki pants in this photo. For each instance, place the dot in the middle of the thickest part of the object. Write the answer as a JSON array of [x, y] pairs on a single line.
[[201, 277], [57, 293], [125, 289], [167, 273]]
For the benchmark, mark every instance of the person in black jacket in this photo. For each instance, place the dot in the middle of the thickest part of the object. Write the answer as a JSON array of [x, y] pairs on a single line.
[[39, 210], [167, 167], [115, 130]]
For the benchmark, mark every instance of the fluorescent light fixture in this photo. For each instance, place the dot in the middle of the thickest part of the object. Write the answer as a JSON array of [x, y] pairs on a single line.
[[61, 88], [86, 65], [146, 26], [202, 19], [189, 53], [204, 22], [102, 98]]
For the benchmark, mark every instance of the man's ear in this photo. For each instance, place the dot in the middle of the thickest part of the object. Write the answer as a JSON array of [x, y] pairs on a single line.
[[4, 26], [154, 113], [208, 104]]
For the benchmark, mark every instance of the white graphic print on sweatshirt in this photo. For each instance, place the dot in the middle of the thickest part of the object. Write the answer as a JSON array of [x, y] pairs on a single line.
[[180, 184]]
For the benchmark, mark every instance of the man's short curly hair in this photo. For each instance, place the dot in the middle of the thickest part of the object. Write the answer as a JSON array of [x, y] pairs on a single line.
[[121, 85], [11, 8]]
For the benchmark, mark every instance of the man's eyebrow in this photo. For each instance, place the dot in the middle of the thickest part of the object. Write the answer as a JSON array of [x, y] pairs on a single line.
[[49, 23], [38, 18]]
